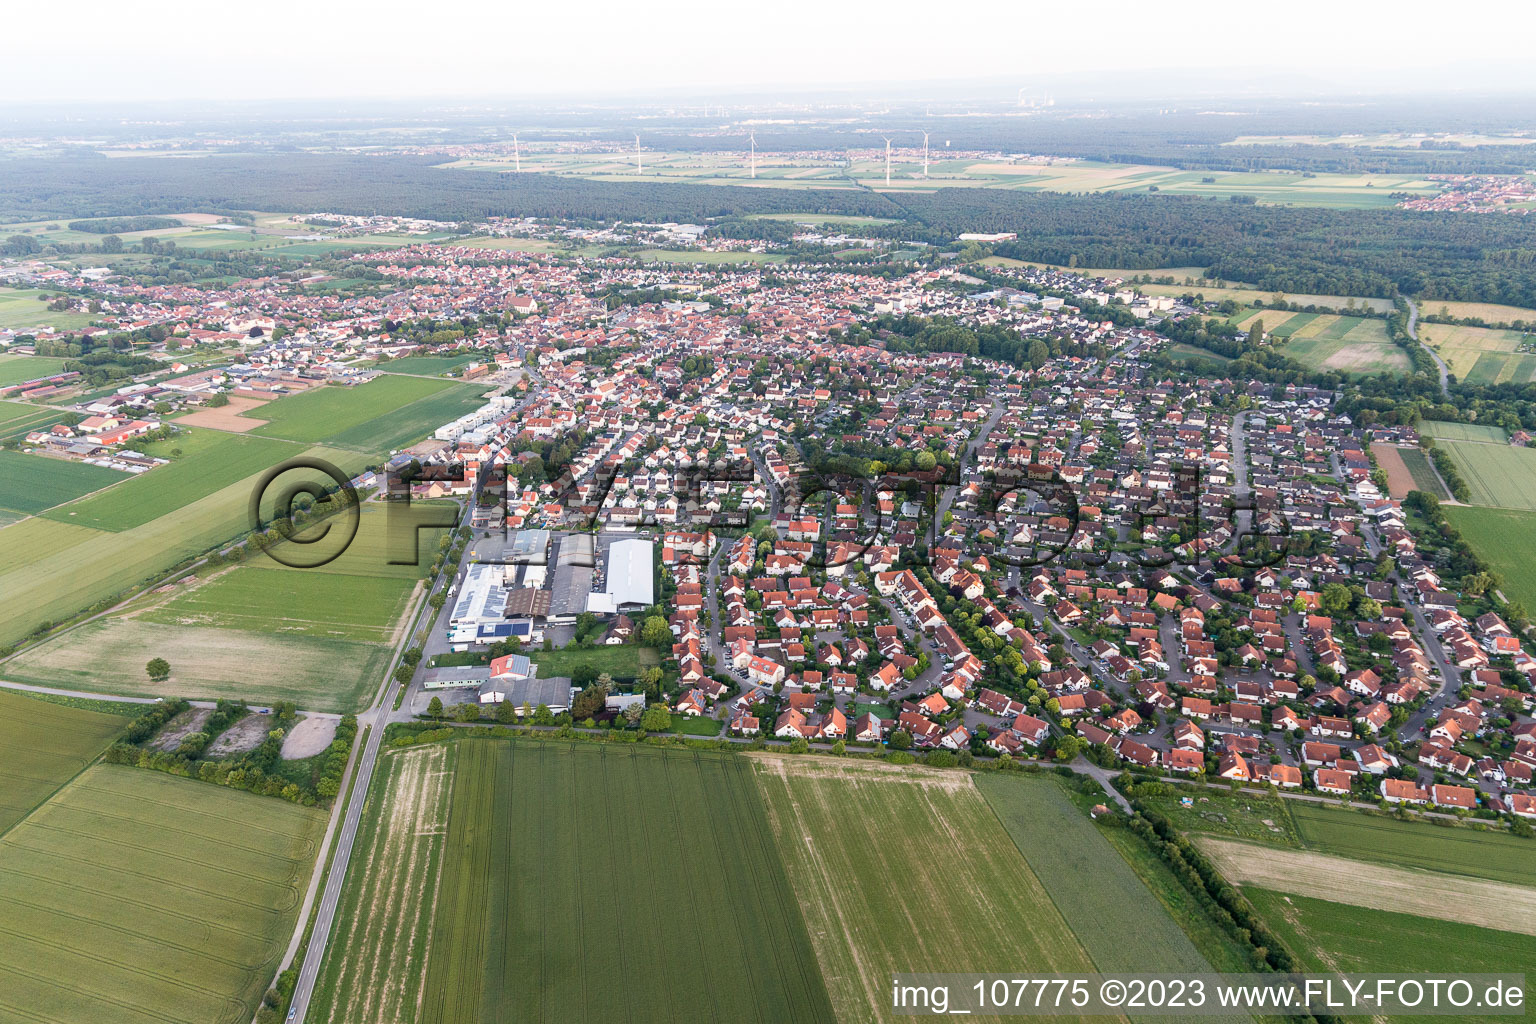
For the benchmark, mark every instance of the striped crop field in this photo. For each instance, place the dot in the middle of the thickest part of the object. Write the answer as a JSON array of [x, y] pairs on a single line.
[[901, 869], [141, 898], [381, 940]]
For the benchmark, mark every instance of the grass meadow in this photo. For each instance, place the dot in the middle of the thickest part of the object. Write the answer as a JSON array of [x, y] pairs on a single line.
[[1121, 926], [1460, 851], [15, 369], [42, 747], [550, 871], [900, 869], [30, 484], [258, 631], [51, 568], [137, 897], [387, 413], [1499, 475], [1447, 430], [23, 308], [209, 460], [1484, 355], [1506, 540], [1324, 341], [1335, 938], [207, 662]]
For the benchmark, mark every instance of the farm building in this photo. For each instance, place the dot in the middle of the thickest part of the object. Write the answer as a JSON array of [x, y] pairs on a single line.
[[554, 693]]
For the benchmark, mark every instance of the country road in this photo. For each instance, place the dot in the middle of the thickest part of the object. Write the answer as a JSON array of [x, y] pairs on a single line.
[[1412, 327]]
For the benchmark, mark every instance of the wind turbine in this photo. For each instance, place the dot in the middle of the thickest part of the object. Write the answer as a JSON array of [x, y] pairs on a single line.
[[925, 154], [517, 157], [639, 164], [752, 136], [887, 163]]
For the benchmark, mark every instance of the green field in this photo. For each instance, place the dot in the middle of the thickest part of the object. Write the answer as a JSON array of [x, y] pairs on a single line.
[[384, 920], [140, 898], [15, 369], [109, 655], [623, 661], [51, 569], [21, 309], [430, 366], [1460, 851], [259, 631], [1446, 430], [1344, 832], [1506, 540], [269, 598], [1323, 341], [563, 868], [867, 169], [905, 869], [384, 414], [1335, 938], [43, 746], [1111, 912], [210, 460], [30, 484], [17, 419], [1424, 476], [1481, 355], [1499, 475]]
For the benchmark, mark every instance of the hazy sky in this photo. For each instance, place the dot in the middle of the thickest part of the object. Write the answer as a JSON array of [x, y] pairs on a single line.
[[172, 49]]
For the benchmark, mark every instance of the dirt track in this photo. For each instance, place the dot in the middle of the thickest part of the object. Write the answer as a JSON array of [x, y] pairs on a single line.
[[1399, 479], [1497, 905], [227, 417]]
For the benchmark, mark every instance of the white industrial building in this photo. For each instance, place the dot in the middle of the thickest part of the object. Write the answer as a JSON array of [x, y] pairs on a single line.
[[631, 578]]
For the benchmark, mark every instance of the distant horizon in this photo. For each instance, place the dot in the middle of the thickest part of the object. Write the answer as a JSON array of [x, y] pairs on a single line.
[[173, 51]]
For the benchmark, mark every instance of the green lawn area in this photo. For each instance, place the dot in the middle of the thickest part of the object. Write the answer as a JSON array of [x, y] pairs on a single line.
[[29, 484], [1335, 938], [43, 746], [15, 369], [1506, 540], [386, 413], [623, 661], [536, 899], [685, 725], [1244, 815], [137, 897], [429, 366], [20, 308], [209, 460]]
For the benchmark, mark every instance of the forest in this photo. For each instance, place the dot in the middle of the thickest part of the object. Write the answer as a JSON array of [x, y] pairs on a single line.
[[1431, 256]]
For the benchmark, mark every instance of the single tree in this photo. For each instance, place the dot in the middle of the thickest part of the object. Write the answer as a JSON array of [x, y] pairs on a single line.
[[159, 670]]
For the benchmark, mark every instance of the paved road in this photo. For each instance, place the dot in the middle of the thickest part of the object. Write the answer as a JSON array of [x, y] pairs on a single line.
[[1413, 332], [375, 719]]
